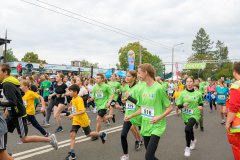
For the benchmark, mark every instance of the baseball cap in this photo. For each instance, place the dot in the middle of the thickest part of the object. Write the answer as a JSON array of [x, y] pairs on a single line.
[[53, 76]]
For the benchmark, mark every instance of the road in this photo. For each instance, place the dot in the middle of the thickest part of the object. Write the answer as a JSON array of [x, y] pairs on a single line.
[[212, 144]]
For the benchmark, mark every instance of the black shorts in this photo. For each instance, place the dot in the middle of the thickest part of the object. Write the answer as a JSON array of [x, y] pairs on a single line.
[[86, 130], [113, 103], [102, 112], [69, 99], [61, 100], [3, 142], [45, 98], [19, 123]]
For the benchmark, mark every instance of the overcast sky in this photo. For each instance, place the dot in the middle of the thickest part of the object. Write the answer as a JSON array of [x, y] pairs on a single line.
[[59, 39]]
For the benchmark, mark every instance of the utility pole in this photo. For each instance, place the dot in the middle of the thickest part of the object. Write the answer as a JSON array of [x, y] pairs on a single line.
[[5, 55], [140, 55]]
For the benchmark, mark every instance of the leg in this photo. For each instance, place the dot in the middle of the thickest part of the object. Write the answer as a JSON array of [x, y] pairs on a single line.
[[146, 141], [176, 109], [3, 153], [189, 131], [221, 111], [98, 127], [152, 147], [58, 109], [201, 119], [29, 139], [210, 103], [72, 139], [49, 109], [125, 130], [134, 131], [34, 122]]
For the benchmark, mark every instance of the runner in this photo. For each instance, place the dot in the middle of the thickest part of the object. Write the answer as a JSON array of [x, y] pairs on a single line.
[[196, 88], [123, 89], [165, 85], [212, 99], [222, 93], [190, 102], [60, 100], [171, 90], [181, 86], [153, 99], [80, 119], [83, 91], [45, 87], [17, 117], [130, 98], [101, 94], [175, 96], [92, 103]]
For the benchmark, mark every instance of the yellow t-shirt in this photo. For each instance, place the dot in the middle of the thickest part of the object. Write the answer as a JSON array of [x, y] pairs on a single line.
[[28, 101], [77, 106], [175, 95], [181, 87]]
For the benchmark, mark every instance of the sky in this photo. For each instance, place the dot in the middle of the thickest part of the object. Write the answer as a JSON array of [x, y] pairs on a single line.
[[59, 39]]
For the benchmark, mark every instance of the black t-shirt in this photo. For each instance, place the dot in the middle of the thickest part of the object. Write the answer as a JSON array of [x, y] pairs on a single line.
[[60, 89], [29, 67], [33, 88]]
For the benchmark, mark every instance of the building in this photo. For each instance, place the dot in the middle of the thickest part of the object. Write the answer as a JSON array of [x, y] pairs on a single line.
[[76, 63]]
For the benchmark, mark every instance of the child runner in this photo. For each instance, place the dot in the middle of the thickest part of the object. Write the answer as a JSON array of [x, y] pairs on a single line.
[[211, 89], [153, 99], [175, 96], [45, 87], [124, 87], [80, 119], [190, 101]]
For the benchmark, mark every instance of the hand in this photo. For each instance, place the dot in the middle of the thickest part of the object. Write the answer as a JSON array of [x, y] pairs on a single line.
[[215, 93], [108, 105], [63, 95], [45, 89], [155, 119], [50, 96], [227, 127], [70, 117], [200, 108], [123, 100], [118, 90], [88, 100], [185, 104], [126, 118], [43, 109], [70, 108], [126, 95], [6, 113]]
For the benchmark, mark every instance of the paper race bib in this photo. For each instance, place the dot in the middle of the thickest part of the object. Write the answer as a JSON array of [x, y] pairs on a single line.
[[130, 106], [188, 110], [147, 111], [221, 97], [25, 103], [74, 110], [113, 89], [175, 100], [123, 95], [99, 95], [5, 100], [212, 95]]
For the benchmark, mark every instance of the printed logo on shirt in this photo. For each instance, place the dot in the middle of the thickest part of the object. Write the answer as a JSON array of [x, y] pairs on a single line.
[[190, 98], [99, 90], [148, 95]]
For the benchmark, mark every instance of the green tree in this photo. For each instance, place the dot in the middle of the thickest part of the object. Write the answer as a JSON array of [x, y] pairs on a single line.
[[157, 63], [147, 57], [10, 56], [221, 53], [30, 56], [202, 44], [89, 64], [225, 71]]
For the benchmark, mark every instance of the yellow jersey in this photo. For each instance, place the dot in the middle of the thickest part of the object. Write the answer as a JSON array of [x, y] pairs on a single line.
[[28, 101]]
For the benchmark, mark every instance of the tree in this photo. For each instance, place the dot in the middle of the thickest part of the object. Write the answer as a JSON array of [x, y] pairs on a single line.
[[147, 57], [88, 64], [10, 56], [225, 71], [221, 53], [202, 44], [30, 56]]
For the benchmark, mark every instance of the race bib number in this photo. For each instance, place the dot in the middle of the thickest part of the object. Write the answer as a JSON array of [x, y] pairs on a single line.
[[113, 89], [175, 100], [130, 106], [221, 97], [99, 95], [74, 110], [123, 95], [147, 112], [212, 95], [25, 103], [188, 110]]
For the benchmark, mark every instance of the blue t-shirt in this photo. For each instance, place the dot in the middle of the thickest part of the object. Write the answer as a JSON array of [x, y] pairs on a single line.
[[228, 82], [222, 94]]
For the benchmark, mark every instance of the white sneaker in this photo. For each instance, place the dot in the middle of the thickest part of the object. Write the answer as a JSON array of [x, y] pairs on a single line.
[[193, 143], [124, 158], [187, 152], [95, 110]]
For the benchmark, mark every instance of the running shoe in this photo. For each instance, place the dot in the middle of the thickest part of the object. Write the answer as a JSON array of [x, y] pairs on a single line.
[[215, 107], [196, 126], [54, 141], [107, 122], [201, 128], [113, 119], [70, 156], [187, 152], [124, 158], [59, 129], [47, 134], [20, 142], [193, 143], [223, 122], [104, 137], [94, 138], [68, 113], [137, 145], [45, 124], [211, 111]]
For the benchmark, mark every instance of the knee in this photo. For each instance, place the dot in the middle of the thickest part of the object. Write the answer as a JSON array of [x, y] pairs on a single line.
[[98, 119], [72, 134], [187, 129], [25, 140]]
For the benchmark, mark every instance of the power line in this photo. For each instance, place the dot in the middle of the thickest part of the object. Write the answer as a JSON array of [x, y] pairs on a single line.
[[146, 40]]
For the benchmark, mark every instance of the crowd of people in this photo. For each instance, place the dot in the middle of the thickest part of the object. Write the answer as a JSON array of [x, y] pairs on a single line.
[[144, 99]]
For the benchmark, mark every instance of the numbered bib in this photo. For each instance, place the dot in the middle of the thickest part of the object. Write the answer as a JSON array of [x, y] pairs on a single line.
[[5, 100], [99, 95], [113, 89], [147, 111], [175, 100], [123, 95], [188, 110], [130, 106], [212, 95], [74, 110], [221, 97], [25, 103]]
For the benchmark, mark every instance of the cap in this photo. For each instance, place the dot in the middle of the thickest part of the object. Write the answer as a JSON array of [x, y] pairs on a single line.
[[53, 76]]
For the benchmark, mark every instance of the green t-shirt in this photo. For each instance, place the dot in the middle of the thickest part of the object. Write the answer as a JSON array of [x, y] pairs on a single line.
[[45, 85], [114, 86], [192, 110], [153, 101], [36, 100], [124, 89], [141, 83], [133, 92], [102, 94], [201, 87], [166, 86]]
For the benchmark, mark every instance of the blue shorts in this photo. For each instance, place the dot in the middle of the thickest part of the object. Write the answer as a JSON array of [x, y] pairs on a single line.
[[45, 98]]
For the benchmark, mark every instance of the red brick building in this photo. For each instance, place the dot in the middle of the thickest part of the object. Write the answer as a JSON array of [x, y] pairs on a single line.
[[76, 63]]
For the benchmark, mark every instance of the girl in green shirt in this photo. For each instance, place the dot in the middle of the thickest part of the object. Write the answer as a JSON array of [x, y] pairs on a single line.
[[153, 99], [190, 101]]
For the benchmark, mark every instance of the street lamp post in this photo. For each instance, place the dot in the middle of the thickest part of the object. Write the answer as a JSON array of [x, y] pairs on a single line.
[[172, 57]]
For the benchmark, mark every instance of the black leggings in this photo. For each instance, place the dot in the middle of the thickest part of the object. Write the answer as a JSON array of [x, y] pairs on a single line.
[[151, 144], [189, 130], [126, 127], [212, 102]]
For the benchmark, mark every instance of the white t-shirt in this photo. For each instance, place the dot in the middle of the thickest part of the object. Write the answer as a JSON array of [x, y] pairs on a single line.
[[83, 91], [68, 83], [171, 88], [90, 89]]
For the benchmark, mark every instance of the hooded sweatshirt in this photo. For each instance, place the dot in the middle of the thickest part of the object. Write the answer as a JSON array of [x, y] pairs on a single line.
[[12, 96]]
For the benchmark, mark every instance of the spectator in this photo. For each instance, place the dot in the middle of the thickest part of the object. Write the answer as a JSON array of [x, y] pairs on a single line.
[[19, 69], [70, 76], [80, 74], [41, 67], [29, 68], [228, 81]]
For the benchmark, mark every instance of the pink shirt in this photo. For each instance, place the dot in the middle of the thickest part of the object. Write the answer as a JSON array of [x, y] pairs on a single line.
[[211, 89]]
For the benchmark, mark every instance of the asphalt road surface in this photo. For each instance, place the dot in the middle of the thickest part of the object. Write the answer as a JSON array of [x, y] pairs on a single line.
[[212, 144]]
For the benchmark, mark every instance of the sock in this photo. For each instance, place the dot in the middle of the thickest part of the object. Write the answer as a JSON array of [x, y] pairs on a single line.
[[101, 134], [223, 120], [72, 150]]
